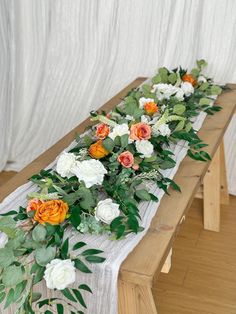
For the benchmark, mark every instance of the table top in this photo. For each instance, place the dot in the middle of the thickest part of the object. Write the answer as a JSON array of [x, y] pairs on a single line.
[[144, 263]]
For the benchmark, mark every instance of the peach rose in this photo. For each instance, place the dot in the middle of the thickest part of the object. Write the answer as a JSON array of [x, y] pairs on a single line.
[[33, 204], [189, 78], [102, 130], [140, 131], [150, 107], [53, 212], [126, 159], [97, 150]]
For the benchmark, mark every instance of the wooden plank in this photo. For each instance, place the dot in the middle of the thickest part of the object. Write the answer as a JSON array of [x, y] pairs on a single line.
[[49, 155], [134, 299], [211, 195], [144, 263]]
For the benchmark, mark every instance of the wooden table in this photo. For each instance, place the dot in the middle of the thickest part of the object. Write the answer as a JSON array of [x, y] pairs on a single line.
[[139, 272]]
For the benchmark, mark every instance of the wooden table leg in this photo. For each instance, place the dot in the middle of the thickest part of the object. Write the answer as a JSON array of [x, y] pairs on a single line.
[[135, 299], [224, 194], [211, 195]]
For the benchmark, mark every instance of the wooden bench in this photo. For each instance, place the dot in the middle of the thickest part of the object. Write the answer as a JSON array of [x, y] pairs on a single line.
[[139, 272]]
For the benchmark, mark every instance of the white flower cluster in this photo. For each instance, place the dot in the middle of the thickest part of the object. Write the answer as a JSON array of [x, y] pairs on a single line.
[[163, 130], [165, 91], [90, 171], [119, 130]]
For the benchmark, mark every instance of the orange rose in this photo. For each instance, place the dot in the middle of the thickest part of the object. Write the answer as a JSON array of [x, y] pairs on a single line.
[[150, 107], [53, 212], [189, 78], [33, 204], [97, 150], [140, 131], [102, 130]]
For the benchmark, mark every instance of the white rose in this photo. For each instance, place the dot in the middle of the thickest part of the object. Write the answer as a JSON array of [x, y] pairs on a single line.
[[202, 79], [119, 130], [59, 274], [145, 148], [163, 130], [3, 239], [66, 164], [90, 171], [143, 101], [187, 88], [106, 211]]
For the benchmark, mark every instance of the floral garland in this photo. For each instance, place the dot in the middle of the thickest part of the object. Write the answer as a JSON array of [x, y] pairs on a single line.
[[97, 187]]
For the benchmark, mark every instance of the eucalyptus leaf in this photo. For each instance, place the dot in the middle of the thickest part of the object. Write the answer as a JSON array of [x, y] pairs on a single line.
[[44, 255], [39, 233], [179, 109], [12, 275], [6, 257]]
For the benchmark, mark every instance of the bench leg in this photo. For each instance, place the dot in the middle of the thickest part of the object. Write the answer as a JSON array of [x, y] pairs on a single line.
[[211, 195], [135, 299]]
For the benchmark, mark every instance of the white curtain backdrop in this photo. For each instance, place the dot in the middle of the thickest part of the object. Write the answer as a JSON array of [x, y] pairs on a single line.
[[59, 59]]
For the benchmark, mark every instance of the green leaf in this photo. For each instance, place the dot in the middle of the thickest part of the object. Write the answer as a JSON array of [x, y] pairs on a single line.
[[81, 266], [79, 297], [78, 245], [75, 218], [19, 289], [180, 126], [39, 275], [39, 233], [195, 72], [91, 252], [216, 90], [8, 226], [156, 79], [204, 101], [108, 144], [10, 280], [36, 296], [86, 198], [204, 86], [6, 257], [85, 287], [143, 195], [65, 248], [120, 231], [116, 222], [201, 64], [66, 292], [45, 302], [188, 126], [172, 78], [60, 309], [10, 298], [2, 296], [164, 74], [95, 259], [48, 312], [205, 155], [179, 109], [44, 255], [124, 140]]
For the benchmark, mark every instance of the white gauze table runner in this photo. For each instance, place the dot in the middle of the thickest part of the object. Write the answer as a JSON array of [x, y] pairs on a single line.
[[104, 277]]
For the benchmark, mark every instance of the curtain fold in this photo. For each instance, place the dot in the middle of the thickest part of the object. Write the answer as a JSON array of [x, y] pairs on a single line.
[[61, 59]]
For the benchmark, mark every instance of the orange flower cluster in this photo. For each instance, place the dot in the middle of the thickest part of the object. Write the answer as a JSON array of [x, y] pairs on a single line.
[[140, 131], [150, 107], [189, 78]]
